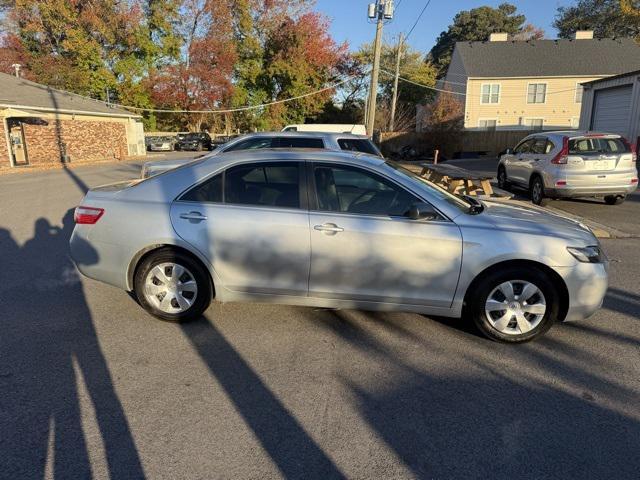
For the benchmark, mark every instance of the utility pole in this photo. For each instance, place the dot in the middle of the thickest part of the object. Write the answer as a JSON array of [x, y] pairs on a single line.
[[380, 11], [395, 85]]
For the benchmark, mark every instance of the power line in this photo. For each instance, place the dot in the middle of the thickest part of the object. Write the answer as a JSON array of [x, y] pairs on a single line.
[[231, 110], [417, 19]]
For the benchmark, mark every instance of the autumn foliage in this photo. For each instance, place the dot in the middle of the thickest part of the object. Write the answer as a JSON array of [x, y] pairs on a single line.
[[179, 55]]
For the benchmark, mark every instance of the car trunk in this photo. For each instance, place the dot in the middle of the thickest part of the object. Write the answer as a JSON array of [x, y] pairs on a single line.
[[591, 154]]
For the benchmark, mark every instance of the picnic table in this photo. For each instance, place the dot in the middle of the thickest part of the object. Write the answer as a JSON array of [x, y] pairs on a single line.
[[454, 179]]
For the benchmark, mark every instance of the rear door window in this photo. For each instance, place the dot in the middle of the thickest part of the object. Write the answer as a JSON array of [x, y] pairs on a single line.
[[263, 184], [541, 146], [524, 147], [592, 145], [208, 191]]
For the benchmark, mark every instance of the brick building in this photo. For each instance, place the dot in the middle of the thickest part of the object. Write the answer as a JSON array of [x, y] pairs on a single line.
[[40, 125]]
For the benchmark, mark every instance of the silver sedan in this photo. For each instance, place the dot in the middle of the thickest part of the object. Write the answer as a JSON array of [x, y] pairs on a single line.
[[339, 230]]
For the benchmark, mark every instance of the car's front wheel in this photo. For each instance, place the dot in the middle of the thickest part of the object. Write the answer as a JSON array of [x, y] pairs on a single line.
[[614, 199], [514, 305], [503, 183], [172, 286]]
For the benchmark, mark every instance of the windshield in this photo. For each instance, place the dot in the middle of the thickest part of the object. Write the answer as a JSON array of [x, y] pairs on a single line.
[[457, 201], [192, 136]]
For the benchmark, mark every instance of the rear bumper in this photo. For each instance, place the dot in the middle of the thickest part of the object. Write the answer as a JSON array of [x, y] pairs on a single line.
[[587, 284], [590, 191], [100, 261], [589, 184]]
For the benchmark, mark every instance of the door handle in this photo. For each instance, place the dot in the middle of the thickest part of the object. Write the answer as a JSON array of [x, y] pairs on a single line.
[[536, 159], [193, 216], [328, 228]]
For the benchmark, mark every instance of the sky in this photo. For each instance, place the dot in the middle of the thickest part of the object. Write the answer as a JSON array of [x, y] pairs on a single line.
[[349, 18]]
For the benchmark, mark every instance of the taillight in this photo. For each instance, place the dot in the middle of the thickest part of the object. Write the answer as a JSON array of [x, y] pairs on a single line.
[[634, 180], [632, 147], [561, 157], [87, 215]]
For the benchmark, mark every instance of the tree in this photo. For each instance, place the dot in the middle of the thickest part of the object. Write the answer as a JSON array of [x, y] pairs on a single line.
[[528, 32], [201, 78], [607, 18], [412, 67], [474, 25]]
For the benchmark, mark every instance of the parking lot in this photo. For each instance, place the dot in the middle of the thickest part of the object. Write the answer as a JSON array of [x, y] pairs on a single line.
[[93, 386]]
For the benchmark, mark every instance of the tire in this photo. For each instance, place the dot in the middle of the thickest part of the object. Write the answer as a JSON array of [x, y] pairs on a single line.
[[488, 294], [536, 190], [503, 183], [186, 303], [614, 199]]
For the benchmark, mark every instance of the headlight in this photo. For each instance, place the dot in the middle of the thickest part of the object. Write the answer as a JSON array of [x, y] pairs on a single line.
[[591, 254]]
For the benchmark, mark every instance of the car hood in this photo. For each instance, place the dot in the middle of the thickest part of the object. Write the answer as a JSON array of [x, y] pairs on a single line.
[[534, 220]]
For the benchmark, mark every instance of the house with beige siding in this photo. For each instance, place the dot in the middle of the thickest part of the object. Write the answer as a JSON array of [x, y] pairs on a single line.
[[532, 85], [40, 125]]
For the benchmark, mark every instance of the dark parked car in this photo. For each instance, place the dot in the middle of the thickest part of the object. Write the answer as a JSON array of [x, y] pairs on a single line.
[[194, 141]]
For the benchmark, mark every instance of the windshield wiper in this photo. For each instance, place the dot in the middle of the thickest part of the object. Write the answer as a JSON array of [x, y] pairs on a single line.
[[476, 206]]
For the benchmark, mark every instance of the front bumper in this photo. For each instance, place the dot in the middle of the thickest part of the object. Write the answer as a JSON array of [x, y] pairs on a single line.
[[587, 284], [189, 147]]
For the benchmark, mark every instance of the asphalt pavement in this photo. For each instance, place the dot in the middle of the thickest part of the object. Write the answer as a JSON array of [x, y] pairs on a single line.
[[91, 386]]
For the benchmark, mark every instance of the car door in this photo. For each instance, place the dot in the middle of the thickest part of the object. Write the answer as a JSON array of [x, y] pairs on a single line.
[[363, 246], [252, 223], [516, 165], [534, 160]]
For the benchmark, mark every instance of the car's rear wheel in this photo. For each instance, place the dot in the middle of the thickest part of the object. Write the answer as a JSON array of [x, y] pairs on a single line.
[[614, 199], [536, 190], [172, 286], [503, 183], [514, 305]]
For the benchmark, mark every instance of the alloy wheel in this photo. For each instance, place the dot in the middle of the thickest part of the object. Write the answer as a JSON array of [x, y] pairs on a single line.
[[515, 307]]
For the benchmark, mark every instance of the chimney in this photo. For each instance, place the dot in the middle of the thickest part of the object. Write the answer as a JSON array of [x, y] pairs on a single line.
[[583, 35], [499, 37]]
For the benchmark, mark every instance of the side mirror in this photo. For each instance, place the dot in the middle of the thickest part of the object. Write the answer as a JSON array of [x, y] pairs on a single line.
[[422, 211], [508, 151]]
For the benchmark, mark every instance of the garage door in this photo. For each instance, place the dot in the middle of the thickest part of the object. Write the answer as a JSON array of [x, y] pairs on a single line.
[[611, 110]]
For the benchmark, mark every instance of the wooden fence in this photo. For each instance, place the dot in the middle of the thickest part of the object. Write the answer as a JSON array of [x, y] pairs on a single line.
[[452, 143]]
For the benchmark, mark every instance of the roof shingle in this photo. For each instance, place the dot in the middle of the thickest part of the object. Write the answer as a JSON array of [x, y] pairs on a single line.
[[21, 92], [542, 58]]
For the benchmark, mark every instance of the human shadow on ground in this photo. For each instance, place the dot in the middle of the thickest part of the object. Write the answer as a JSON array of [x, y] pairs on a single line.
[[49, 348]]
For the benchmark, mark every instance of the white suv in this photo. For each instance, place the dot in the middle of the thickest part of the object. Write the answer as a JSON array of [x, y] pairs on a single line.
[[571, 164], [254, 141]]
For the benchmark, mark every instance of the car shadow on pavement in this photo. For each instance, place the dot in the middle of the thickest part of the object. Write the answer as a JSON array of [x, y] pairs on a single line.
[[292, 450], [493, 419], [49, 354]]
